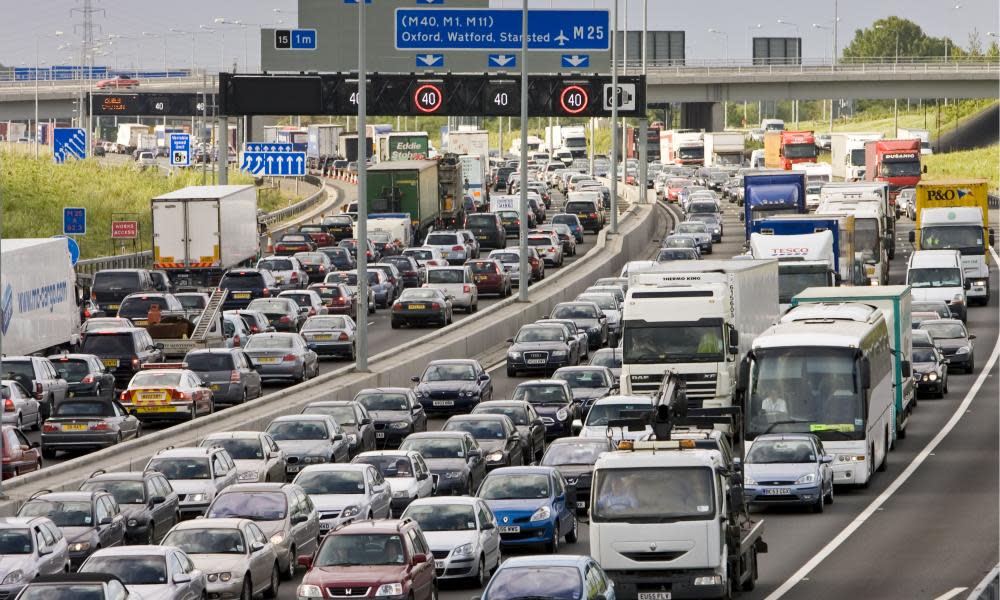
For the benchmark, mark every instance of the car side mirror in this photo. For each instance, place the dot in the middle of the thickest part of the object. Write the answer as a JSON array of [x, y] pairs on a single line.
[[912, 236], [296, 519], [157, 500], [256, 547], [972, 336], [475, 454], [484, 377], [44, 550], [182, 577], [337, 437], [415, 379], [487, 526], [967, 285], [366, 421], [907, 370], [419, 558], [305, 561], [576, 426], [106, 521], [826, 459], [421, 476], [36, 445]]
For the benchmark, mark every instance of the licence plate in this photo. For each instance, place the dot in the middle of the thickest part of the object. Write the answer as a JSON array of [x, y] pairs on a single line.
[[480, 237], [324, 526], [140, 322], [152, 396], [241, 295], [113, 306], [267, 360], [74, 427], [444, 403], [777, 492], [654, 595], [294, 468], [480, 277], [280, 279], [155, 409], [439, 564], [110, 362], [510, 529], [324, 337], [379, 434], [215, 387], [581, 504], [536, 361], [417, 306]]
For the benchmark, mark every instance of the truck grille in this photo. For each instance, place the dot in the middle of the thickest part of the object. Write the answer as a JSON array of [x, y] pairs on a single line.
[[654, 556], [699, 386], [646, 383]]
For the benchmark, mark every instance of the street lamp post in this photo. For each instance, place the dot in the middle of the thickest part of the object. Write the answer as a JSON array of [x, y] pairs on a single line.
[[746, 39], [725, 36]]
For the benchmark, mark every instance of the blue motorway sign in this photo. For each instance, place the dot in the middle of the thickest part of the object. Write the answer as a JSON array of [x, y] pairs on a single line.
[[74, 221], [508, 61], [575, 61], [73, 247], [295, 39], [274, 163], [267, 147], [180, 150], [68, 142], [500, 29]]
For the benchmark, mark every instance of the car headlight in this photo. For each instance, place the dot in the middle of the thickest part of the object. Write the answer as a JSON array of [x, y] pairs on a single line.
[[309, 591], [453, 475], [247, 476], [562, 414], [467, 393], [350, 511], [959, 299], [962, 350], [593, 329], [132, 522], [401, 494], [278, 537], [197, 497], [352, 438], [390, 589], [463, 550], [226, 576], [807, 478], [17, 575], [979, 283], [314, 459], [541, 514], [399, 425], [79, 547], [494, 456], [747, 480], [558, 353], [513, 356], [932, 377]]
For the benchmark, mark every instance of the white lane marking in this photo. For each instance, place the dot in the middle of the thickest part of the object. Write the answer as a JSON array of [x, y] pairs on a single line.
[[951, 593], [911, 468]]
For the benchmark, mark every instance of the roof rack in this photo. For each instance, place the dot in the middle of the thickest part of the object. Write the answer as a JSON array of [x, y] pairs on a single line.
[[98, 472], [39, 493]]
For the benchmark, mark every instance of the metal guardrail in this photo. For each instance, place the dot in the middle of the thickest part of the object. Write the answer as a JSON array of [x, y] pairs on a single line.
[[988, 588], [144, 259], [882, 65], [994, 200]]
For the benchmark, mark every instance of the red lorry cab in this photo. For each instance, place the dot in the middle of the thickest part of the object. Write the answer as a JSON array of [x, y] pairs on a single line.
[[896, 162], [797, 147]]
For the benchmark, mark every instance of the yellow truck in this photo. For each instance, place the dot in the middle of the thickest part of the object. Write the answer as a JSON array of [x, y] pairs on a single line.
[[954, 215]]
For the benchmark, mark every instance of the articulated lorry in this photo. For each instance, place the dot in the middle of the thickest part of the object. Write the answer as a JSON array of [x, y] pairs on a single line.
[[782, 149], [402, 145], [424, 189], [770, 193], [201, 231], [724, 148], [347, 146], [633, 144], [128, 137], [682, 147], [954, 215], [866, 191], [847, 154], [696, 319], [39, 300], [841, 228], [569, 138], [322, 143], [896, 162]]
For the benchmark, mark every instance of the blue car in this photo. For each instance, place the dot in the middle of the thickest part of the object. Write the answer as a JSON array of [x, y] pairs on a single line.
[[788, 468], [563, 577], [571, 221], [531, 506]]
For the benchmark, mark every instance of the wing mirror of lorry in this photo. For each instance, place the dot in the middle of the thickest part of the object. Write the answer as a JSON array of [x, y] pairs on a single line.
[[906, 368], [967, 285], [912, 235], [743, 379], [991, 237]]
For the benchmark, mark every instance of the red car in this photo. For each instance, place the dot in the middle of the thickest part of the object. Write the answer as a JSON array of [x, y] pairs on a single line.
[[118, 83], [490, 277], [337, 298], [388, 559], [19, 455], [674, 187], [290, 243], [319, 234]]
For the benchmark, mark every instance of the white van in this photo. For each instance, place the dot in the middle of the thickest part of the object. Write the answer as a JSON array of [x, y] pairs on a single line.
[[938, 275]]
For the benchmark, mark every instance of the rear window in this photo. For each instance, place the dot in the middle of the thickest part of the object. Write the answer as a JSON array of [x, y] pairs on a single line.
[[310, 258], [483, 267], [241, 281], [481, 221], [579, 206], [445, 276], [441, 239], [76, 369], [107, 344], [507, 257], [112, 280], [275, 264], [328, 292], [539, 241], [138, 307], [209, 361], [294, 239], [191, 302], [18, 370], [565, 219]]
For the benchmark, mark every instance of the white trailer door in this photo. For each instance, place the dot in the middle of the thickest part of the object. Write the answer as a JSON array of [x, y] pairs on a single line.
[[169, 245], [203, 233]]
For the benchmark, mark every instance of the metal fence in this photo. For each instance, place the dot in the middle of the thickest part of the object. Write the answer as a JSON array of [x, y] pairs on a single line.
[[144, 259], [988, 588]]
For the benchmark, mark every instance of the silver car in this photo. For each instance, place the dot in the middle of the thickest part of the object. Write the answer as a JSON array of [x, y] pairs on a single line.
[[282, 510], [30, 546], [307, 440], [330, 335], [463, 535], [282, 356], [196, 474], [408, 475], [510, 259], [19, 407], [287, 271], [548, 246], [155, 572], [452, 245], [257, 456], [307, 299], [236, 556], [343, 493], [699, 231], [457, 282]]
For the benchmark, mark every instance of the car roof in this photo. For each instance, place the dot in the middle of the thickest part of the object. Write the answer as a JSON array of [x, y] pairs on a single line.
[[624, 400], [785, 436], [400, 453], [562, 560], [184, 452], [137, 550], [394, 390], [211, 523], [120, 476], [234, 435], [523, 470], [445, 500], [437, 434], [373, 526], [75, 578], [254, 487], [67, 496], [19, 522], [300, 417], [478, 417], [454, 361]]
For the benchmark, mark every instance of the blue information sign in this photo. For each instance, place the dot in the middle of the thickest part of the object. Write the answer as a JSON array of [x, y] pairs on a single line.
[[68, 142], [500, 29], [274, 163], [180, 150], [267, 147], [295, 39], [74, 221], [74, 248]]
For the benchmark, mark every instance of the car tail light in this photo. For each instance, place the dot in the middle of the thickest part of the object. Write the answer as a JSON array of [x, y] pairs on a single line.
[[457, 248], [409, 273], [284, 320], [48, 427], [517, 221], [179, 395], [100, 427], [322, 268], [397, 307], [339, 301], [123, 396], [312, 312], [88, 379], [236, 341], [593, 215], [38, 390], [342, 337], [135, 362], [552, 249], [86, 313], [266, 292], [254, 329], [288, 357], [435, 306], [8, 405], [234, 377], [466, 289], [294, 277]]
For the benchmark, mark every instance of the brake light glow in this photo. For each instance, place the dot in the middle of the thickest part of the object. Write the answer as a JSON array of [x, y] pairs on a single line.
[[135, 362], [466, 289], [88, 379], [234, 376], [288, 357], [237, 341], [179, 395], [435, 306], [8, 405], [100, 427], [342, 337], [266, 292], [457, 248], [284, 320], [49, 427]]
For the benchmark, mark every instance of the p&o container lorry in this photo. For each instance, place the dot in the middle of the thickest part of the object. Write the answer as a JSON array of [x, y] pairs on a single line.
[[39, 307], [199, 232], [847, 154], [724, 148], [697, 319], [782, 149], [954, 215]]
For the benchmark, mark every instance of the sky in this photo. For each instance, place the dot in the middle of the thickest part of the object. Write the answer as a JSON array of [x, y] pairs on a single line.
[[146, 37]]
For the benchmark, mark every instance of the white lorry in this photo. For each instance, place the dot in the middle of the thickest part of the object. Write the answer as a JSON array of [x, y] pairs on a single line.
[[817, 175], [916, 134], [682, 147], [474, 172], [847, 154], [201, 231], [697, 319], [39, 309], [127, 139], [724, 148], [804, 261], [572, 138]]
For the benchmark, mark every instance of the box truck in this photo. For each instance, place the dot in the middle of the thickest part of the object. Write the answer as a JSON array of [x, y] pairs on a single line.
[[127, 139], [39, 308], [402, 145], [724, 148], [682, 147], [321, 143], [804, 260], [347, 146], [917, 134], [847, 154], [201, 231], [407, 186], [766, 194]]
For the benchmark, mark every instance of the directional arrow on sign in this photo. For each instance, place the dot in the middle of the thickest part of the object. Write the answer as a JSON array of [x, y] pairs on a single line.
[[430, 1], [502, 60], [575, 61], [430, 60]]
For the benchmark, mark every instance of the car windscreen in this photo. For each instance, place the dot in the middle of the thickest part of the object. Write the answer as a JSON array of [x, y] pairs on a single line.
[[653, 495], [540, 334], [360, 549], [944, 330], [298, 430], [257, 506], [132, 570], [574, 311], [515, 486], [107, 344], [418, 294], [207, 541], [481, 429], [431, 448], [573, 453], [600, 414], [181, 468], [388, 465], [76, 369], [447, 372], [541, 393], [383, 401], [583, 378], [517, 414], [64, 513], [610, 359], [324, 323], [604, 301], [139, 306], [481, 221], [272, 307], [442, 239], [332, 482], [191, 302], [764, 452], [75, 408], [445, 276], [342, 414], [238, 448], [443, 517], [241, 281]]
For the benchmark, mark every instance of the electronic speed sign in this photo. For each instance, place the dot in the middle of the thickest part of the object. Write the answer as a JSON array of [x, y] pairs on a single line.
[[428, 98], [573, 99], [502, 98]]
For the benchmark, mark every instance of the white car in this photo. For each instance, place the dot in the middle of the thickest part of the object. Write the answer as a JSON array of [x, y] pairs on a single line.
[[452, 245], [422, 254], [154, 572], [345, 492], [258, 458], [548, 246], [510, 258], [408, 475], [146, 160], [610, 408], [287, 271], [457, 282], [197, 474], [463, 531]]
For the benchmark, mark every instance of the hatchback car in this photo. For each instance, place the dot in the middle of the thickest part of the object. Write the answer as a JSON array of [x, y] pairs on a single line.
[[553, 401], [451, 244], [88, 520], [573, 222], [454, 456], [955, 342], [38, 377], [457, 283], [488, 230], [462, 535], [345, 493], [526, 420], [700, 232], [308, 439], [337, 298], [423, 254], [352, 418], [395, 413], [308, 301], [256, 455], [228, 372], [287, 271], [282, 356], [284, 314], [788, 469], [151, 571], [549, 248], [532, 506], [246, 285], [149, 503], [452, 385], [408, 475], [490, 277], [591, 216], [292, 243], [196, 474], [330, 335], [87, 424], [19, 407], [32, 547], [85, 374], [411, 274], [495, 434], [422, 306], [557, 577]]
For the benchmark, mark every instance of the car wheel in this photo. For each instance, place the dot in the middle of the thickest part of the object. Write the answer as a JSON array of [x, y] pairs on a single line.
[[829, 497], [482, 575], [194, 411], [247, 592], [272, 588], [292, 560], [572, 536], [244, 400], [511, 372], [817, 506], [20, 423], [48, 453], [301, 376], [552, 546], [150, 535]]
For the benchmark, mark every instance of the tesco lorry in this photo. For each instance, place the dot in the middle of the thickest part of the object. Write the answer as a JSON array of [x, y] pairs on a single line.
[[841, 228], [847, 154], [804, 260], [39, 309], [201, 231]]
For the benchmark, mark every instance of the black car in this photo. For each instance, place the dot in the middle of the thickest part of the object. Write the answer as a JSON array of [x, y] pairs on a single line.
[[93, 586], [495, 434], [85, 374], [122, 351], [955, 342], [930, 371], [339, 257], [110, 286], [527, 421], [574, 457], [541, 348], [353, 418], [580, 335], [553, 400], [339, 226], [395, 413], [588, 383], [588, 213], [283, 313], [315, 264], [454, 456], [488, 230], [588, 317], [411, 273], [454, 385], [245, 285], [147, 500], [500, 178]]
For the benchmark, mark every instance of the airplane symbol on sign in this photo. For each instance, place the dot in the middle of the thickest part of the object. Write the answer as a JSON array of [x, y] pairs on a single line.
[[561, 38]]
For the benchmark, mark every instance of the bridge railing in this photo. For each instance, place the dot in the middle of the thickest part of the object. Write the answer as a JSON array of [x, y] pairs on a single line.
[[806, 65]]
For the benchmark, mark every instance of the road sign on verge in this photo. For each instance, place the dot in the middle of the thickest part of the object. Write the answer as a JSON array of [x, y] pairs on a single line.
[[68, 142], [74, 221], [74, 248], [267, 147], [500, 29], [274, 163], [295, 39], [180, 150], [124, 230]]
